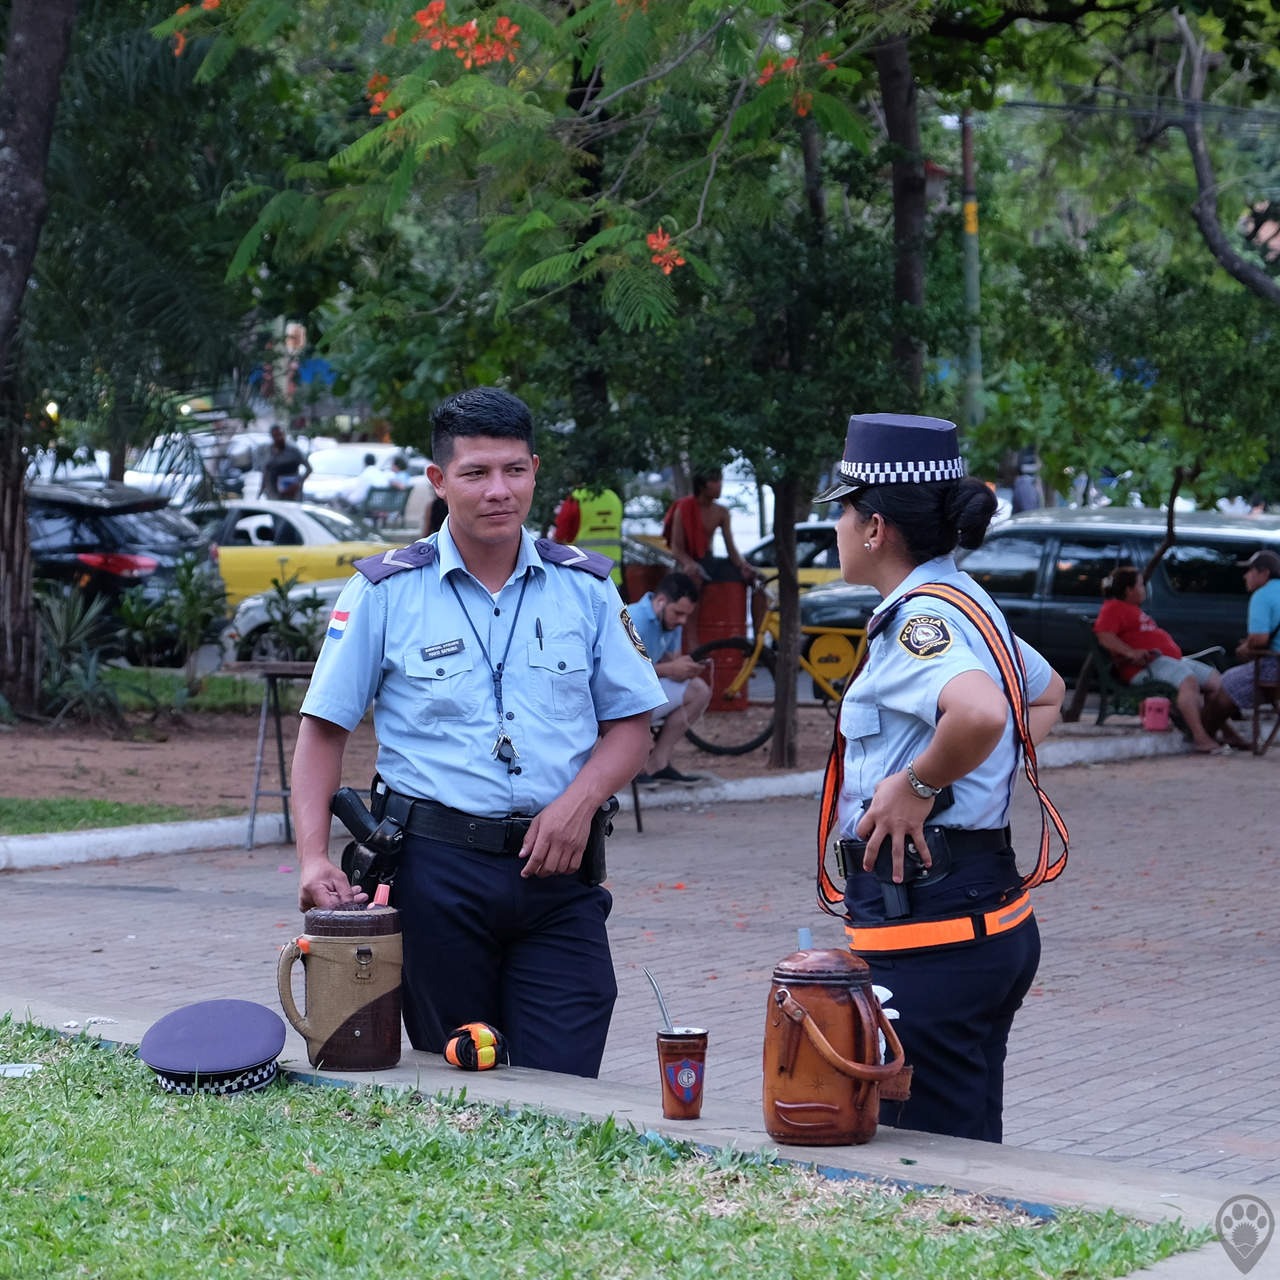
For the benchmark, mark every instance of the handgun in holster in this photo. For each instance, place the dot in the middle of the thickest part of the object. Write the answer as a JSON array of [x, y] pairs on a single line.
[[896, 895], [373, 857], [592, 870]]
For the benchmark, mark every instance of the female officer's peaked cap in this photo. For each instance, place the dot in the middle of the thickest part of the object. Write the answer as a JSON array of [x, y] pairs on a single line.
[[896, 448]]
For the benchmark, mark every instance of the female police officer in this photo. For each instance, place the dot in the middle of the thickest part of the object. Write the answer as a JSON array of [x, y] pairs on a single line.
[[930, 736]]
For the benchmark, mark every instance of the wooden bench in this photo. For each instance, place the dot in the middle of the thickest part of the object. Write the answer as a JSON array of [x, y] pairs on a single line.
[[382, 507]]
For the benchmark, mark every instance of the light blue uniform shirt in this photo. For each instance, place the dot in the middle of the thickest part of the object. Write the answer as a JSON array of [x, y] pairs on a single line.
[[406, 645], [1264, 611], [889, 714], [658, 643]]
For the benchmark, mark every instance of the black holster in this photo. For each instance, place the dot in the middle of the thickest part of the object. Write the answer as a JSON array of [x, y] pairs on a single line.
[[373, 857], [593, 870]]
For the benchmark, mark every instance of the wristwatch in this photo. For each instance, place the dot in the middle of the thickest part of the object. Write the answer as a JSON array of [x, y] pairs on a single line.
[[922, 789]]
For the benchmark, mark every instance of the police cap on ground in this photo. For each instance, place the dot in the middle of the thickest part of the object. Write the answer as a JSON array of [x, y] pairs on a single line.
[[896, 448], [1267, 560], [216, 1046]]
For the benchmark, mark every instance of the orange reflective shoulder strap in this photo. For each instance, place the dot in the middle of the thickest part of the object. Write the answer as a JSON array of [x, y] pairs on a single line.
[[830, 896], [1013, 674]]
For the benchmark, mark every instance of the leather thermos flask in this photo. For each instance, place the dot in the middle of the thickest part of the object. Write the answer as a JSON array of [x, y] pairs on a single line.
[[352, 960], [822, 1071]]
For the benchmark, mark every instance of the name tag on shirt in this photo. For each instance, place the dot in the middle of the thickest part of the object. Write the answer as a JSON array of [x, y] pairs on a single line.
[[446, 650]]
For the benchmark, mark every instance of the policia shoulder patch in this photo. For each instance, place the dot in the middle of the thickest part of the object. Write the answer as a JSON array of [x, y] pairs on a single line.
[[925, 637], [632, 633]]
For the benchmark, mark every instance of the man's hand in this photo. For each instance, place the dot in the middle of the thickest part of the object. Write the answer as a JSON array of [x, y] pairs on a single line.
[[323, 885], [895, 812], [556, 840], [682, 667]]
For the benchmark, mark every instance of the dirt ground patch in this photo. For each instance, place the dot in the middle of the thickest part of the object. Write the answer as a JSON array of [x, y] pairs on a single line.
[[204, 763]]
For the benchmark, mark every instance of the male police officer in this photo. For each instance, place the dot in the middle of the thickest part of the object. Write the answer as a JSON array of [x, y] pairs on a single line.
[[495, 663]]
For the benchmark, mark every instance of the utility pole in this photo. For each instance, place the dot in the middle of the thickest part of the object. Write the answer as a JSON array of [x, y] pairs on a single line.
[[973, 365]]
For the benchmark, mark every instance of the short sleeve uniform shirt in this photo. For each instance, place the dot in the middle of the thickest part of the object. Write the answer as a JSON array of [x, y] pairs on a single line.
[[417, 651], [890, 712]]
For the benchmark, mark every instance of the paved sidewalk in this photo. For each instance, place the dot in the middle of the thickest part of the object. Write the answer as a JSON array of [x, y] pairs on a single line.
[[1142, 1072]]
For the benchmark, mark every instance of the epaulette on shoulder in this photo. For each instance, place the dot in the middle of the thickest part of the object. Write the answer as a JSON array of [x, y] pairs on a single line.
[[417, 555], [567, 556]]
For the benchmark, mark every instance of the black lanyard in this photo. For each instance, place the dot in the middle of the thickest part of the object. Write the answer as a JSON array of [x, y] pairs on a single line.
[[503, 748]]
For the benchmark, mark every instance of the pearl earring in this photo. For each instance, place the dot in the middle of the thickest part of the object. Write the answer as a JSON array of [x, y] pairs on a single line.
[[867, 545]]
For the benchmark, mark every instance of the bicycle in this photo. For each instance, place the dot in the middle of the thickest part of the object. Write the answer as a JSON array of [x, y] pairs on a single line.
[[741, 715]]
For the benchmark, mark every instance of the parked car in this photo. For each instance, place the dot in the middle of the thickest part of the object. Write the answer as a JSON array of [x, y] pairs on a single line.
[[267, 627], [817, 559], [256, 540], [333, 469], [105, 537], [1045, 570]]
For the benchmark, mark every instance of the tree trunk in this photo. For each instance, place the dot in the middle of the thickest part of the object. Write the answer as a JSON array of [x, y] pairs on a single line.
[[902, 123], [782, 748], [38, 42]]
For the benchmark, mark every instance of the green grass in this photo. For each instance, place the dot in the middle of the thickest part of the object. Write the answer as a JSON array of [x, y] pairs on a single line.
[[149, 688], [103, 1175], [27, 817]]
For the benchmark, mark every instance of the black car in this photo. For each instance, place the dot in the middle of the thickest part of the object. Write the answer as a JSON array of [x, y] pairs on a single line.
[[105, 537], [1045, 570]]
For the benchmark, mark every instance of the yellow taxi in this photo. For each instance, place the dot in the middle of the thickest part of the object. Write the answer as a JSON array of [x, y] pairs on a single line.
[[257, 541]]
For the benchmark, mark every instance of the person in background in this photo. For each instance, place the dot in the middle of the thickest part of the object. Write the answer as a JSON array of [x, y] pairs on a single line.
[[592, 519], [1234, 696], [689, 528], [511, 699], [371, 477], [928, 736], [659, 617], [285, 470], [1142, 651]]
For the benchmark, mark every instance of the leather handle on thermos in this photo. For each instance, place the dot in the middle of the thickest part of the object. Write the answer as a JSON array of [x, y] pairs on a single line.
[[284, 981], [855, 1070]]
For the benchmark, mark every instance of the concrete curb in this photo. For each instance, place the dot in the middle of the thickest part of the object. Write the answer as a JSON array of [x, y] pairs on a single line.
[[21, 853]]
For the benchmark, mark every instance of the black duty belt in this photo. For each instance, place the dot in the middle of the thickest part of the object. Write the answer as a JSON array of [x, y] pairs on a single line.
[[961, 840], [435, 821]]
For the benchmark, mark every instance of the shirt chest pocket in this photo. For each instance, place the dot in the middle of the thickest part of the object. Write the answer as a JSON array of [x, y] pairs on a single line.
[[864, 747], [561, 678], [444, 687]]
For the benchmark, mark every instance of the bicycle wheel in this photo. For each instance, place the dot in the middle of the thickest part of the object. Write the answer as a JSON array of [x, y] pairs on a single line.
[[732, 726]]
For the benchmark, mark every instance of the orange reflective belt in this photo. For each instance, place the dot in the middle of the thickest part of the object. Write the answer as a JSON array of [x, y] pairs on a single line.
[[919, 934]]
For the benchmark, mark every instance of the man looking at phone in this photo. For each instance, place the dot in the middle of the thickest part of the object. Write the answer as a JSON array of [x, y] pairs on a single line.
[[659, 618]]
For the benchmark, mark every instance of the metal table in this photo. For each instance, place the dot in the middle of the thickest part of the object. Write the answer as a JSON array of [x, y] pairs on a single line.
[[271, 674]]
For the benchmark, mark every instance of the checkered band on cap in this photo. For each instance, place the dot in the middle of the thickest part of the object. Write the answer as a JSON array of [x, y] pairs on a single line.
[[246, 1082], [902, 472], [896, 448]]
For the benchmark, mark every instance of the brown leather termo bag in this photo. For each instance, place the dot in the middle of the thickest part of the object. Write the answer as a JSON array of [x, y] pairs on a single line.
[[823, 1077]]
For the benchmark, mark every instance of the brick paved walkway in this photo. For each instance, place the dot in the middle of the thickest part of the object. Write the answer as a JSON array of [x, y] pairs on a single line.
[[1149, 1037]]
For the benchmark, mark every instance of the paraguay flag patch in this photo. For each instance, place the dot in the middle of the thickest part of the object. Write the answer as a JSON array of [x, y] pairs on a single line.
[[337, 624]]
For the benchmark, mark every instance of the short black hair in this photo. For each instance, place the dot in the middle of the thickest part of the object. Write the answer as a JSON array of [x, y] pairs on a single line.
[[703, 478], [480, 411], [677, 586], [1121, 579], [370, 460]]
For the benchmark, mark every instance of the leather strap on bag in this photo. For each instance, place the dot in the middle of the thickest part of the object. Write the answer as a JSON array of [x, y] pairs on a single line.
[[872, 1072], [1013, 676]]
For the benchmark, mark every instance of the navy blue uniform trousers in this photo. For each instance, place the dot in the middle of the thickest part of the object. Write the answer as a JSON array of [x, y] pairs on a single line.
[[956, 1007], [529, 957]]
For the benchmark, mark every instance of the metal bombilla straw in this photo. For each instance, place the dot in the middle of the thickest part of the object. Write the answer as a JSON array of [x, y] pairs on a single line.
[[667, 1024]]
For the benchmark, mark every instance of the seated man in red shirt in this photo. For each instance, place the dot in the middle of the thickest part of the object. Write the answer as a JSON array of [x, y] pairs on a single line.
[[1143, 651]]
